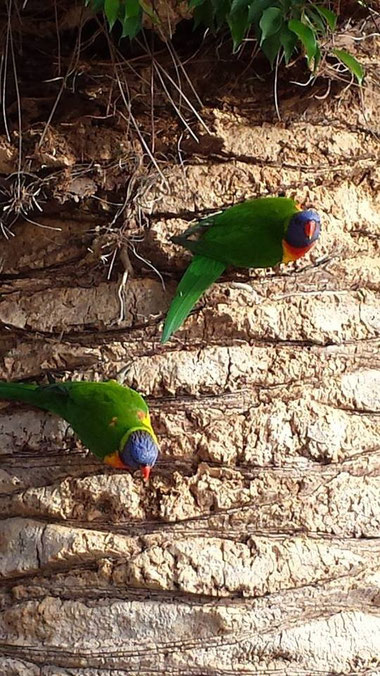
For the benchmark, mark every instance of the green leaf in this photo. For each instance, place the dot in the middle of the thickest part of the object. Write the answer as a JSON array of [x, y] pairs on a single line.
[[131, 26], [238, 23], [270, 22], [95, 5], [204, 14], [327, 14], [111, 10], [285, 5], [132, 8], [195, 3], [288, 40], [132, 18], [352, 64], [271, 46], [239, 4], [256, 10], [306, 35], [315, 21], [221, 10]]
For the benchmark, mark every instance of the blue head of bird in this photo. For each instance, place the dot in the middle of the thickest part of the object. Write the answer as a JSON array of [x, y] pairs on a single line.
[[303, 230], [140, 452]]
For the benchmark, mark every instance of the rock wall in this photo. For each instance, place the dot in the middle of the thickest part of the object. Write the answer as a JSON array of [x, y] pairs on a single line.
[[255, 546]]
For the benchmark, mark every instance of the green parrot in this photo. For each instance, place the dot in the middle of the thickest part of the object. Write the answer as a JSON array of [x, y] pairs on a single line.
[[258, 233], [111, 420]]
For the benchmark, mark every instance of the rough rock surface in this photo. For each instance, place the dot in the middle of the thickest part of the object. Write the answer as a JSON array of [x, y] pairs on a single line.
[[255, 547]]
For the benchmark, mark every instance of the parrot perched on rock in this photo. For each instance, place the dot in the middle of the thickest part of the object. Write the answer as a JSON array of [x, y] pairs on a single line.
[[111, 420], [258, 233]]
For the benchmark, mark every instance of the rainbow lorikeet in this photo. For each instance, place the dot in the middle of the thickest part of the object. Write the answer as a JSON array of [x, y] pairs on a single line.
[[258, 233], [111, 420]]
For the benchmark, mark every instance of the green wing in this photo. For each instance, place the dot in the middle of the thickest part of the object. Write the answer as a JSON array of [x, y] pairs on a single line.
[[99, 413], [246, 235]]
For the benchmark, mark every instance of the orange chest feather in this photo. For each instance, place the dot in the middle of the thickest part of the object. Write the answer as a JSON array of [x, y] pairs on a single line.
[[291, 253]]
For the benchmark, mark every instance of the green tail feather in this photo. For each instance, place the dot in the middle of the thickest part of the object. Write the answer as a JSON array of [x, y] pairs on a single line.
[[200, 274], [48, 397], [26, 392]]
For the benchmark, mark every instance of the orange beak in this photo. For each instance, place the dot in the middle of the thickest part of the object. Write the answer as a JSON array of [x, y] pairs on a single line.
[[310, 229], [145, 471]]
